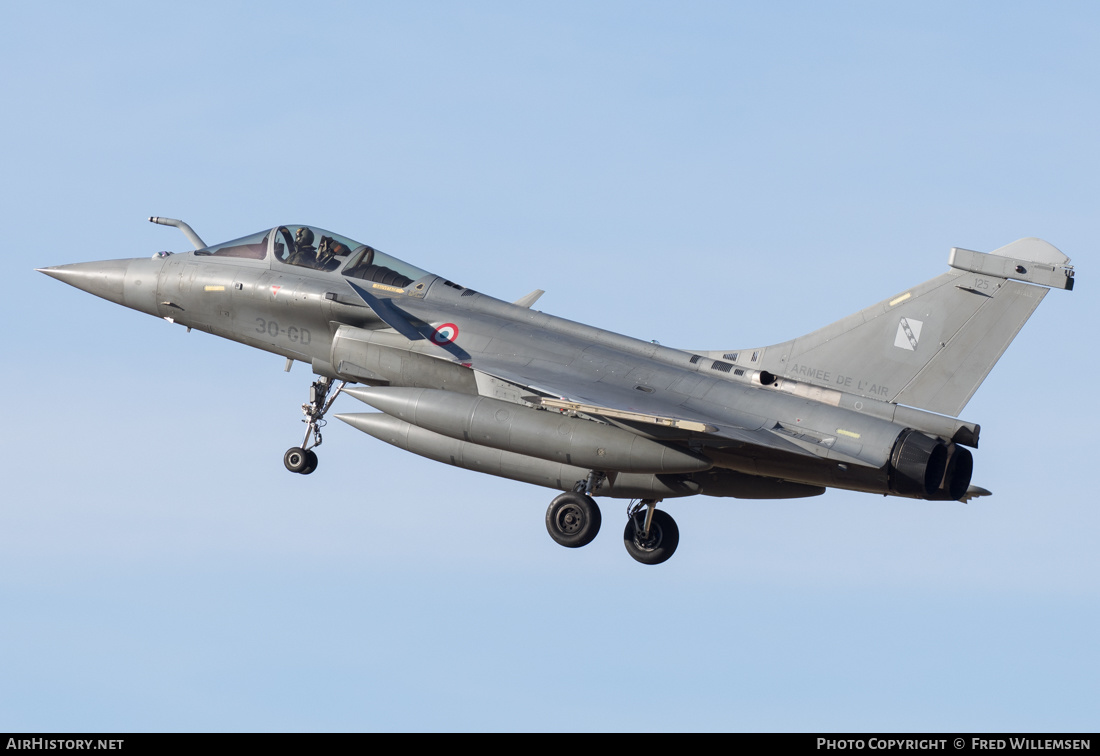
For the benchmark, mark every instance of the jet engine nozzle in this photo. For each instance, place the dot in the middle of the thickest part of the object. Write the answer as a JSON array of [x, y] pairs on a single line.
[[928, 468], [917, 464]]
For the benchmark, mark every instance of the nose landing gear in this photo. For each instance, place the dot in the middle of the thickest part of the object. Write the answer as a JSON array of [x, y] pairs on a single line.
[[302, 459]]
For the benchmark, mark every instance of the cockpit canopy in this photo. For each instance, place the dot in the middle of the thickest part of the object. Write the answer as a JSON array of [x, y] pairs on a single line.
[[317, 249]]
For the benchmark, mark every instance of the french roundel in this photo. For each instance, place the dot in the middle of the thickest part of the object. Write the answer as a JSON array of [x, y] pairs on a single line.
[[445, 334]]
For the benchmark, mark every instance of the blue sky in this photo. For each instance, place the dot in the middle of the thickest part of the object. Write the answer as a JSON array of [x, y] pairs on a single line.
[[711, 175]]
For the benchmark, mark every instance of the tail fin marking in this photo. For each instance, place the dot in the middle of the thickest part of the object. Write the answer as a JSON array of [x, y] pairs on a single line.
[[929, 347]]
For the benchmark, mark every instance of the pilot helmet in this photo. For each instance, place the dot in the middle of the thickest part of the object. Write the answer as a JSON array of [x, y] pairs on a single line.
[[304, 236]]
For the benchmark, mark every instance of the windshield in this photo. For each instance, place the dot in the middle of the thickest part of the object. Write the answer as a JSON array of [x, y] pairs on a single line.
[[254, 247]]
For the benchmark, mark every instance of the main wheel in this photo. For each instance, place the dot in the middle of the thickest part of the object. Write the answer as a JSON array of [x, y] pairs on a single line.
[[573, 519], [296, 459], [661, 544]]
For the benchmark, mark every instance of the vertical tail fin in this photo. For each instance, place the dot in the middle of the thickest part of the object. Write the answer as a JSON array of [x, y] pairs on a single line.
[[931, 346]]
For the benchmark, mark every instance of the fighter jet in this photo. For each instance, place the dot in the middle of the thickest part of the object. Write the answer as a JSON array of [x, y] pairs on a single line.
[[869, 403]]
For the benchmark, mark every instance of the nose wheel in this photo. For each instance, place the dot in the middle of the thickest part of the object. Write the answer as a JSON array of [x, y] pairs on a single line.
[[302, 459], [299, 460]]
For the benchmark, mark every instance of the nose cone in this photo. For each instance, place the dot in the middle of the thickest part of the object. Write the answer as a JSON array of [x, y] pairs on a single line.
[[130, 283], [105, 279]]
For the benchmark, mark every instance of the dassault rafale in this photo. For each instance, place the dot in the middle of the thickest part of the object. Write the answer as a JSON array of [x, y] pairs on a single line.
[[869, 403]]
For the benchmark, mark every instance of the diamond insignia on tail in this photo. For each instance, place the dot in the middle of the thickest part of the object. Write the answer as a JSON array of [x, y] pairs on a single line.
[[908, 334]]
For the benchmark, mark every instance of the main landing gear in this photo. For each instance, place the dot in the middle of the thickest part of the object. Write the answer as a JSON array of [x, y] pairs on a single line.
[[573, 520], [651, 535], [302, 459]]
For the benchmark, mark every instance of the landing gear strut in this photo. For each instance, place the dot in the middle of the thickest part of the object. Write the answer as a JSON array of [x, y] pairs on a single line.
[[302, 459], [651, 535]]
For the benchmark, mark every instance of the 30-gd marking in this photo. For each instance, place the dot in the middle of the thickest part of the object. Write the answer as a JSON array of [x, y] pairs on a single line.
[[293, 333]]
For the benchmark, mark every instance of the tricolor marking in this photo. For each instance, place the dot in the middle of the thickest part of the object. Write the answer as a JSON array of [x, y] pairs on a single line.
[[445, 334]]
